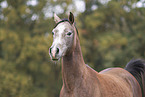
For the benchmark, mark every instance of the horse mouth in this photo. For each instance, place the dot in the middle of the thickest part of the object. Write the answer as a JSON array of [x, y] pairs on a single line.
[[54, 59]]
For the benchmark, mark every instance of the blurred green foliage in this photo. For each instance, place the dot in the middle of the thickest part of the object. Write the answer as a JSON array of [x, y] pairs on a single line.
[[111, 34]]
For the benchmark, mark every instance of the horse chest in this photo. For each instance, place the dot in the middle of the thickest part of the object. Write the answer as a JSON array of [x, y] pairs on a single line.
[[82, 90], [77, 93]]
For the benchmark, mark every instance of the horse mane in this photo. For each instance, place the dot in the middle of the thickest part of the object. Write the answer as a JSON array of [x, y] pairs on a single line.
[[137, 69]]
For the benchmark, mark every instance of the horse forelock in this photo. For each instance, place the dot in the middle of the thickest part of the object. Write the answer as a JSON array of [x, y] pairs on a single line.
[[63, 20], [66, 20]]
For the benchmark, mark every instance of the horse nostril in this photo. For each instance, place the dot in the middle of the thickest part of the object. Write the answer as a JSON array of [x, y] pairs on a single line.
[[57, 51], [50, 50]]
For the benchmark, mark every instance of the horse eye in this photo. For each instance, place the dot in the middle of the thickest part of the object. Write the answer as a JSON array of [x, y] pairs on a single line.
[[52, 33], [69, 33]]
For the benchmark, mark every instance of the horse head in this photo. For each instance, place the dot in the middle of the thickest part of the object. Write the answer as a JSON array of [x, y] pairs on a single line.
[[64, 37]]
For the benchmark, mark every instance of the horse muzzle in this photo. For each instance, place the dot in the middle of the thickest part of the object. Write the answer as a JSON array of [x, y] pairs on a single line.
[[54, 53]]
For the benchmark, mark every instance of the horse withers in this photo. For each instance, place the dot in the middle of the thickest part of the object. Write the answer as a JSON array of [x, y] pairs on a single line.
[[79, 80]]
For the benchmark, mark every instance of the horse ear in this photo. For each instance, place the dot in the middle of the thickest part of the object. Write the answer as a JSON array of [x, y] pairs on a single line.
[[71, 18], [56, 18]]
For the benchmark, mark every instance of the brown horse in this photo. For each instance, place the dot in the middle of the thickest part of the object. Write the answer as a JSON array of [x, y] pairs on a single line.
[[79, 80]]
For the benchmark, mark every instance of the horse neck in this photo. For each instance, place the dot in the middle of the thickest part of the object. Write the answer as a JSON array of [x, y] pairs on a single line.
[[73, 67]]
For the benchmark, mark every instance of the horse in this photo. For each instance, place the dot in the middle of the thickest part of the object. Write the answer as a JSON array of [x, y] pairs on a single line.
[[80, 80]]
